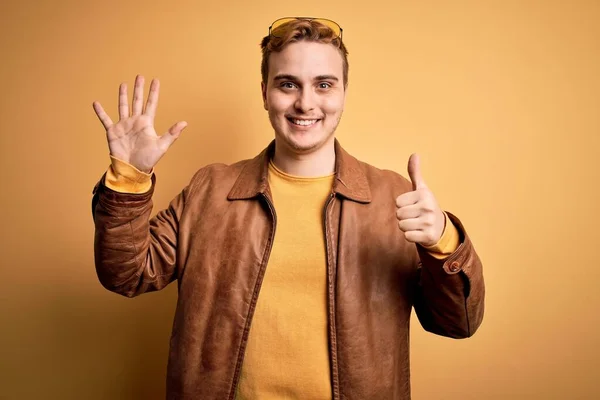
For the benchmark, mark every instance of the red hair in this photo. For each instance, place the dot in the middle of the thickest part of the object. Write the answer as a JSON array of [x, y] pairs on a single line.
[[296, 31]]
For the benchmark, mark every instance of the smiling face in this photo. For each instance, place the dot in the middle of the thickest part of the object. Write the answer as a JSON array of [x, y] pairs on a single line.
[[305, 95]]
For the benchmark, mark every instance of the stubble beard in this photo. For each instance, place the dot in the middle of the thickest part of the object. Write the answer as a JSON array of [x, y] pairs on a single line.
[[298, 148]]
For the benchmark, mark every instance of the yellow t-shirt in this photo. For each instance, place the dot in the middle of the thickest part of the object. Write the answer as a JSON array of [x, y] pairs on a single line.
[[287, 355]]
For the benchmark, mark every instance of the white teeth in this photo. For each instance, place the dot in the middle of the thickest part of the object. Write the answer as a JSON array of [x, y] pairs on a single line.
[[304, 122]]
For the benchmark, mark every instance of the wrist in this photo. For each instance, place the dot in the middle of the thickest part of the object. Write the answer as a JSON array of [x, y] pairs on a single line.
[[124, 177]]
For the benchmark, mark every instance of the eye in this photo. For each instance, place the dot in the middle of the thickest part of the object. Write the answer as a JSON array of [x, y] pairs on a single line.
[[288, 85], [324, 85]]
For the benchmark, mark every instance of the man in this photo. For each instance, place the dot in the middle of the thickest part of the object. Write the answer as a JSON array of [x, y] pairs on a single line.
[[297, 270]]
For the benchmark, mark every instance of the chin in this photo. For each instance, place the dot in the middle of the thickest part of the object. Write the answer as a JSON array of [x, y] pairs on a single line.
[[304, 143]]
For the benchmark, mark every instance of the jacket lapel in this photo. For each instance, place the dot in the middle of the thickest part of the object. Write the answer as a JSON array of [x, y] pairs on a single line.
[[350, 180]]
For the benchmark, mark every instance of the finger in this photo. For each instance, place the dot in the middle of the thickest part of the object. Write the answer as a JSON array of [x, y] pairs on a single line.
[[412, 224], [415, 236], [102, 115], [138, 96], [168, 138], [414, 171], [407, 199], [123, 105], [152, 98], [408, 212]]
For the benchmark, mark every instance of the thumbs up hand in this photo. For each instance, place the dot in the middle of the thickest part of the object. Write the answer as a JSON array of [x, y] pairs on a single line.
[[418, 213]]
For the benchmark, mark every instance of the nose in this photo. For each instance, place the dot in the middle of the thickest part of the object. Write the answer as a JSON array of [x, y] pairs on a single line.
[[305, 101]]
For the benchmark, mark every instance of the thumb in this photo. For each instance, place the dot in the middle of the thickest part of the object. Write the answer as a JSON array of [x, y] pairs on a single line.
[[414, 171], [168, 138]]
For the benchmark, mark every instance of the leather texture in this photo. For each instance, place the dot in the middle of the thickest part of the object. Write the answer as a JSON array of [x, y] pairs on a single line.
[[215, 238]]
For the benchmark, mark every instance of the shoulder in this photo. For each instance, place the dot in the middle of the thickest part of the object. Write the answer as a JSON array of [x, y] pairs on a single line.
[[218, 174], [384, 180]]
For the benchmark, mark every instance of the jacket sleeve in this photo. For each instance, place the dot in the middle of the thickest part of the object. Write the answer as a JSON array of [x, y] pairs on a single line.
[[449, 293], [133, 253]]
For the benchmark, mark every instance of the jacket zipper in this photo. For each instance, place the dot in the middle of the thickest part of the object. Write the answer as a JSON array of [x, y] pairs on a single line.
[[331, 304], [261, 274]]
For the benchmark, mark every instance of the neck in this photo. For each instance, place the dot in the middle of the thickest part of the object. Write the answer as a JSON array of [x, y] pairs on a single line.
[[319, 162]]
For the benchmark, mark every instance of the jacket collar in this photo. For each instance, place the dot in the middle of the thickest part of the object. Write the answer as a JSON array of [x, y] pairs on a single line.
[[350, 180]]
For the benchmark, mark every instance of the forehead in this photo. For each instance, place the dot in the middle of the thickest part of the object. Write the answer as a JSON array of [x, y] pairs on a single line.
[[307, 59]]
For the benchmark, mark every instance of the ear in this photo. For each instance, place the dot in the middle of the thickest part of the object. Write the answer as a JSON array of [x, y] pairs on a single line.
[[263, 89], [345, 96]]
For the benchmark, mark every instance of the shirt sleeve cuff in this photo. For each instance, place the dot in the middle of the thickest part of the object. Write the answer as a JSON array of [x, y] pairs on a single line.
[[448, 243], [125, 178]]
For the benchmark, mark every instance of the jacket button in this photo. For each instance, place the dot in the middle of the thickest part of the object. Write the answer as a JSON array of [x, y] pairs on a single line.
[[454, 266]]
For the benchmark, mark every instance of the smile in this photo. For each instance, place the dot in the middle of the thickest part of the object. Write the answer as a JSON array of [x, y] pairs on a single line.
[[303, 122]]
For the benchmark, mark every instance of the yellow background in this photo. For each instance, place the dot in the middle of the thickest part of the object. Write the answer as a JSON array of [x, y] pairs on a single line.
[[500, 99]]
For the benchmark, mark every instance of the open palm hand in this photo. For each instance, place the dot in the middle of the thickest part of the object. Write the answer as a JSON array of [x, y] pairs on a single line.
[[133, 138]]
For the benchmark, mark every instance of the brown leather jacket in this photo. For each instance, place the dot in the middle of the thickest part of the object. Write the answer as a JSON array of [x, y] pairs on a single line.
[[215, 239]]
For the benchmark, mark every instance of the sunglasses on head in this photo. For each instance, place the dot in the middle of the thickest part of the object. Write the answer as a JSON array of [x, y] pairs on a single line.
[[334, 26]]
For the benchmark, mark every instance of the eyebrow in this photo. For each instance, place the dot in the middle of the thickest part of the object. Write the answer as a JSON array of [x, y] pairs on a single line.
[[289, 77]]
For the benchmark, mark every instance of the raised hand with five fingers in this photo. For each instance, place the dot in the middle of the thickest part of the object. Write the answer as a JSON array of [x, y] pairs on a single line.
[[418, 213], [133, 138]]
